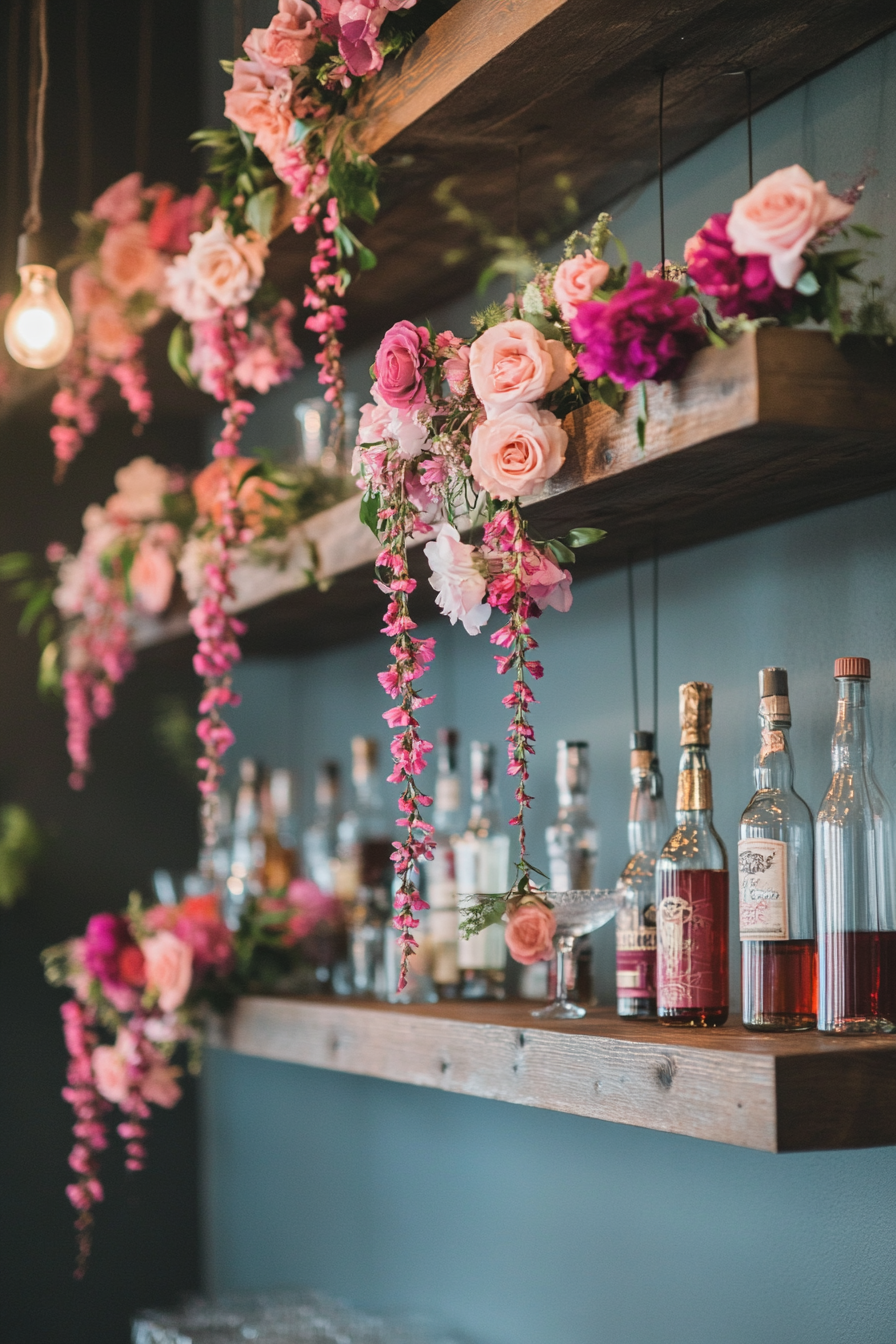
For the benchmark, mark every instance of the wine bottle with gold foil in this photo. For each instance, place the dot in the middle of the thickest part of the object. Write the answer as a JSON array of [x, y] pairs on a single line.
[[692, 885], [636, 917]]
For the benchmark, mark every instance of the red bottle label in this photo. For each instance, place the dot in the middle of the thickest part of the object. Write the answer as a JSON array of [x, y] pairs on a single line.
[[692, 939], [636, 975]]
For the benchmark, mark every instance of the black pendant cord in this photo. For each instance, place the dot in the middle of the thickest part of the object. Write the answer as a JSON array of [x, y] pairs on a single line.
[[12, 118], [516, 191], [748, 76], [656, 649], [633, 646], [38, 78], [85, 111], [661, 172], [144, 87]]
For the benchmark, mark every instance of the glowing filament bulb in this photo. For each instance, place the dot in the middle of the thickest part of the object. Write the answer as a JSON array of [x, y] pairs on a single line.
[[38, 330]]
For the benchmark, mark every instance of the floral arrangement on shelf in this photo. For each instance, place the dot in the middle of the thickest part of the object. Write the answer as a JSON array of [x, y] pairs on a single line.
[[462, 431], [118, 291], [142, 984]]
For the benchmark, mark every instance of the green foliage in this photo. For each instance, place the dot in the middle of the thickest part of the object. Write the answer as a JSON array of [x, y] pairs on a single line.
[[370, 509], [174, 730], [488, 317], [236, 169], [487, 910], [260, 210], [39, 614], [874, 316], [180, 509], [179, 348], [353, 181], [20, 846], [564, 550]]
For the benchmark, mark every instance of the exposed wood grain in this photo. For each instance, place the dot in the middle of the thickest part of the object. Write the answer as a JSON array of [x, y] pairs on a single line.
[[792, 1093], [571, 85], [776, 425]]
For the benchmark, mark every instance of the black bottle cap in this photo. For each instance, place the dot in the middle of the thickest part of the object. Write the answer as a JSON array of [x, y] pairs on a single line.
[[641, 741], [772, 681]]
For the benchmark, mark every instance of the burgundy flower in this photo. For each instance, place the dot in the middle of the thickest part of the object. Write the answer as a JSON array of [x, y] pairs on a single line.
[[109, 954], [400, 363], [645, 331], [740, 285]]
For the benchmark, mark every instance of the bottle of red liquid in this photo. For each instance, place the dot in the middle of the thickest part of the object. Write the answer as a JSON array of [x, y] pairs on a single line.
[[692, 885], [854, 874]]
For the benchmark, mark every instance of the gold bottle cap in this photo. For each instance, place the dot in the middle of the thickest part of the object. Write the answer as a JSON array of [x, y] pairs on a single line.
[[695, 713]]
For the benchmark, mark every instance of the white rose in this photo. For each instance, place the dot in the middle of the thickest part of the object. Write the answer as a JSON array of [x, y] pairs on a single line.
[[460, 577]]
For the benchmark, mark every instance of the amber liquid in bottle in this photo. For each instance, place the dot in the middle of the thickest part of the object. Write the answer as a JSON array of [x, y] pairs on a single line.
[[692, 885]]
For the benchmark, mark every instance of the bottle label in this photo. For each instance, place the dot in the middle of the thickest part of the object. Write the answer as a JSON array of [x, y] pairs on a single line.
[[692, 939], [762, 886], [636, 953]]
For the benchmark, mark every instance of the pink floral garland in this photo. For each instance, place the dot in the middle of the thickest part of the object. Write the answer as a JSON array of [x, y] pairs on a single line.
[[327, 318], [90, 1122]]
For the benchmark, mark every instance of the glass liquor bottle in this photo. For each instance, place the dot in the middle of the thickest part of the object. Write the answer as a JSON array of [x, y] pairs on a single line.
[[775, 879], [572, 840], [636, 918], [320, 838], [854, 874], [363, 841], [692, 885], [482, 865], [439, 877], [281, 851], [247, 853]]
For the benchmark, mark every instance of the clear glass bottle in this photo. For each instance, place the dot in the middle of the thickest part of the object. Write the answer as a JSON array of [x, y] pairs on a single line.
[[320, 839], [572, 840], [439, 877], [692, 885], [854, 874], [364, 871], [247, 849], [482, 865], [281, 851], [775, 879], [636, 918]]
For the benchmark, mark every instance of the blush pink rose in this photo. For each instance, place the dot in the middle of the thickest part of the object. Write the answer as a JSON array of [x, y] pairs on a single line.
[[400, 364], [121, 202], [780, 216], [289, 39], [152, 577], [221, 270], [159, 1085], [108, 333], [128, 262], [459, 576], [529, 933], [140, 490], [517, 452], [576, 280], [260, 102], [512, 363], [549, 585], [169, 968], [110, 1073]]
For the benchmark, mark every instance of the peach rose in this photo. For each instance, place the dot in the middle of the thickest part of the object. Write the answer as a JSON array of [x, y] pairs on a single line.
[[512, 363], [159, 1085], [780, 216], [226, 267], [128, 262], [169, 969], [108, 334], [260, 102], [253, 496], [529, 932], [289, 39], [152, 576], [142, 485], [517, 452], [110, 1073], [576, 280]]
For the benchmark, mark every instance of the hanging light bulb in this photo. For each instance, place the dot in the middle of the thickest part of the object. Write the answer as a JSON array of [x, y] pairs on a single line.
[[38, 329]]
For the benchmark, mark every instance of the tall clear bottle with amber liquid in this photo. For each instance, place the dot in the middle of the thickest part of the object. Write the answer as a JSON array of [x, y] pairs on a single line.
[[692, 885], [482, 868], [775, 879], [636, 918]]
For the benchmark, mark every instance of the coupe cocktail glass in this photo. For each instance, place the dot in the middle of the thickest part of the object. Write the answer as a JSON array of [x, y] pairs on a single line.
[[576, 913]]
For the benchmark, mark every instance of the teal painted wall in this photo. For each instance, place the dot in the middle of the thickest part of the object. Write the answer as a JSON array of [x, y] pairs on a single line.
[[527, 1227]]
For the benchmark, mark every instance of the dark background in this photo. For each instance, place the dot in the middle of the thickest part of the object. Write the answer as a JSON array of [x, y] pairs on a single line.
[[137, 812]]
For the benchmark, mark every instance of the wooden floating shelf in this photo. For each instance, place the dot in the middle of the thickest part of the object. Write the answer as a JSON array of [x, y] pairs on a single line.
[[569, 86], [778, 424], [789, 1093]]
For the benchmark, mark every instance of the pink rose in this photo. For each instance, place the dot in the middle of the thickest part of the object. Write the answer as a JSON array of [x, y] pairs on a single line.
[[780, 216], [260, 102], [128, 263], [152, 577], [512, 363], [87, 291], [221, 270], [516, 452], [121, 202], [400, 363], [108, 333], [141, 487], [159, 1085], [308, 907], [576, 280], [549, 585], [529, 932], [169, 968], [459, 576], [289, 39], [110, 1073]]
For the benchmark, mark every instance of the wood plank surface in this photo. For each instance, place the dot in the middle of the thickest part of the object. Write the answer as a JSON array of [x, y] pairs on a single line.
[[776, 1093], [776, 425]]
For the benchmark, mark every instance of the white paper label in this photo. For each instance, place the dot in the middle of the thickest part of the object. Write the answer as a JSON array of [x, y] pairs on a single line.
[[762, 885]]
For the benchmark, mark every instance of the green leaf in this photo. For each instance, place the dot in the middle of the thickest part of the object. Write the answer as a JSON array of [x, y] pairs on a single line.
[[584, 536], [34, 607], [366, 258], [227, 66], [260, 211], [561, 552], [864, 231], [15, 564], [541, 323], [179, 349], [49, 673], [370, 508]]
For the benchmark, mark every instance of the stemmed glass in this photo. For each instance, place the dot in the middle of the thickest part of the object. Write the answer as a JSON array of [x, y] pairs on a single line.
[[576, 913]]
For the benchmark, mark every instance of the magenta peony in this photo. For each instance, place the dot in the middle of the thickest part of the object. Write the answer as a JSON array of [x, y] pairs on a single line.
[[740, 285], [646, 330], [400, 364]]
